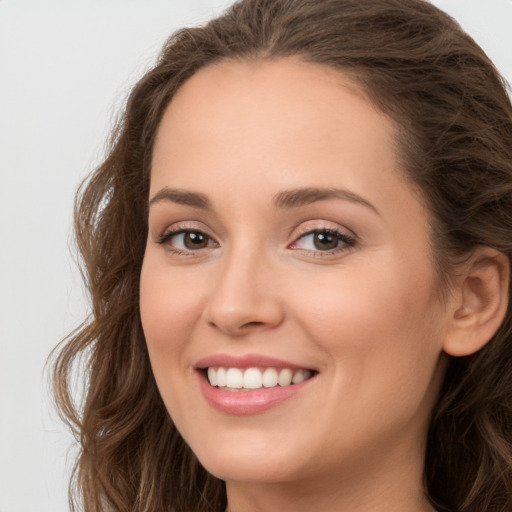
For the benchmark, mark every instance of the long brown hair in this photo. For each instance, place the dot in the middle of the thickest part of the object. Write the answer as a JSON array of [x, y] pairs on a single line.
[[455, 123]]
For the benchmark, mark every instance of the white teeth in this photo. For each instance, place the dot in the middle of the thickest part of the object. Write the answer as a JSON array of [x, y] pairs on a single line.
[[285, 377], [212, 376], [254, 378], [270, 378], [300, 376], [234, 378], [221, 377]]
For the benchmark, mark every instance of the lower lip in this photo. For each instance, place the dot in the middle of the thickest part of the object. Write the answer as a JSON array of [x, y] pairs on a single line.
[[243, 403]]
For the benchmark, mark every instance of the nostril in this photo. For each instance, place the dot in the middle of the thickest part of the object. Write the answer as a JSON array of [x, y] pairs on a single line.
[[242, 326], [252, 324]]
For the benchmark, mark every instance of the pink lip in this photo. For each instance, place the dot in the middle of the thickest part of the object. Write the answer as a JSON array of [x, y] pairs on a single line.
[[246, 361], [242, 403]]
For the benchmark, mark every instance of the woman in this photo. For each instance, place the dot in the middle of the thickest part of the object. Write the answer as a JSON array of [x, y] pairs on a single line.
[[298, 254]]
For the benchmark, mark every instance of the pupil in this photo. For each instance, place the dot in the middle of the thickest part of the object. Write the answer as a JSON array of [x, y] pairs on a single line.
[[325, 241], [195, 240]]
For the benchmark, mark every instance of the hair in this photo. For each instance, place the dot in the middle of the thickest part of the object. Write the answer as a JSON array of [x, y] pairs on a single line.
[[454, 120]]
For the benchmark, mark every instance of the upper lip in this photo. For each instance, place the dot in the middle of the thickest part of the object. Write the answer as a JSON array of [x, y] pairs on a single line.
[[247, 361]]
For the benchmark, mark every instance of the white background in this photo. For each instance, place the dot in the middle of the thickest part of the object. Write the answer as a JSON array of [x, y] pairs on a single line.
[[65, 69]]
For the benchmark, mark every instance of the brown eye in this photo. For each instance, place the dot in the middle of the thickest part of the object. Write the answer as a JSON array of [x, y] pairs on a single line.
[[186, 240], [325, 241], [195, 240]]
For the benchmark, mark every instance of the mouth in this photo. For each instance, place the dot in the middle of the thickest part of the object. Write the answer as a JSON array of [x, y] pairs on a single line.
[[253, 378], [252, 383]]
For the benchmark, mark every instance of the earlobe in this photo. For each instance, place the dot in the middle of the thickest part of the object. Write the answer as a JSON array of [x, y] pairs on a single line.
[[481, 301]]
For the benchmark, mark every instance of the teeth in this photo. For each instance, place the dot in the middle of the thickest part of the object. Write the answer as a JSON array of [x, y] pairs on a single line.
[[212, 376], [270, 378], [254, 378], [221, 377], [234, 378], [300, 376], [285, 377]]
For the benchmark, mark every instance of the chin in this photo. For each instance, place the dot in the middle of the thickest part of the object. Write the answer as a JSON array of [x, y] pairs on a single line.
[[256, 462], [237, 469]]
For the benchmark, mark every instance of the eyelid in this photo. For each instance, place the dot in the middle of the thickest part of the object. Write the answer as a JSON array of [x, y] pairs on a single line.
[[322, 225], [186, 225], [345, 236]]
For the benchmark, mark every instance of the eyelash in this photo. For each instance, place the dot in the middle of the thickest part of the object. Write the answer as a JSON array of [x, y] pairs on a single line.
[[168, 235], [347, 242]]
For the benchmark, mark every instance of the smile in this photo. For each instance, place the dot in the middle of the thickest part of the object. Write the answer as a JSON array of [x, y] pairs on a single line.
[[237, 379], [250, 384]]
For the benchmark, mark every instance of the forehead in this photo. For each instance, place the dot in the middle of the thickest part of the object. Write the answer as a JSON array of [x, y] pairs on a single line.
[[240, 110]]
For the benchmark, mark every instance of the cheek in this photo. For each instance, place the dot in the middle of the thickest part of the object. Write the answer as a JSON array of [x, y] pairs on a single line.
[[373, 301], [169, 311], [383, 325], [169, 308], [383, 350]]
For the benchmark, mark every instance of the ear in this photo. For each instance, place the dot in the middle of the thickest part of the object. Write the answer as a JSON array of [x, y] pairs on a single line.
[[480, 300]]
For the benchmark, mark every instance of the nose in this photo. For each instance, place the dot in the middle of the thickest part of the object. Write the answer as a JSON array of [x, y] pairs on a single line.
[[245, 297]]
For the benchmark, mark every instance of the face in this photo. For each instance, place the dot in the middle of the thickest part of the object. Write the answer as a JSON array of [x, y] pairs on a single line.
[[288, 261]]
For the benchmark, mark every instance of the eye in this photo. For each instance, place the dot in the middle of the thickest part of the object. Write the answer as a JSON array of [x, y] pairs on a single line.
[[324, 240], [186, 240]]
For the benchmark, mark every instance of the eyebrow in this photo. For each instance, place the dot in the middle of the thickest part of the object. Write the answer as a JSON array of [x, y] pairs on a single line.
[[184, 197], [283, 200], [304, 196]]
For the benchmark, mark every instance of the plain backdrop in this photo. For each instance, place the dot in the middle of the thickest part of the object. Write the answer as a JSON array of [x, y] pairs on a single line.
[[65, 69]]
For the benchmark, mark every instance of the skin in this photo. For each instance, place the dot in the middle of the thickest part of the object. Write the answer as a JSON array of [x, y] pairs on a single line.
[[368, 316]]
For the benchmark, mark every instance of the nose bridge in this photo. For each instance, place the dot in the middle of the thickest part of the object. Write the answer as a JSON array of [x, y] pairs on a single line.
[[244, 297]]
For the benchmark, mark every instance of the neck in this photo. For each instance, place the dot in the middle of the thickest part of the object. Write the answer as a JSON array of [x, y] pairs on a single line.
[[367, 486], [304, 498]]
